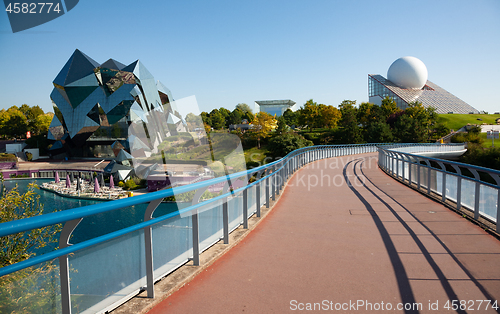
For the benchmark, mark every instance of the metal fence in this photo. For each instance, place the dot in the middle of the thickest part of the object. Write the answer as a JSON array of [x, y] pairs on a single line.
[[98, 274], [470, 188]]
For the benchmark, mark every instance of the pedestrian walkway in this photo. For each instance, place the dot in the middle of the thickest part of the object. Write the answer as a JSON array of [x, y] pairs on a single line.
[[345, 236]]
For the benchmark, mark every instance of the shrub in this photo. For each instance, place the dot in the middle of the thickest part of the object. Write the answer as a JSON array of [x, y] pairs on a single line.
[[283, 144]]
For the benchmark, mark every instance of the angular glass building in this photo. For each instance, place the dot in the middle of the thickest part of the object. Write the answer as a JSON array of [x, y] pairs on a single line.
[[102, 109], [407, 82], [275, 107]]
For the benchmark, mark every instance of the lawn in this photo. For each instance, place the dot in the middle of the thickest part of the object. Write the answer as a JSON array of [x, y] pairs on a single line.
[[256, 155], [456, 121]]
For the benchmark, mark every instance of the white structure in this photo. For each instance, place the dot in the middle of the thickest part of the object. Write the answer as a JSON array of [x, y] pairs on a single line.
[[407, 82], [275, 107], [14, 148], [408, 72], [35, 153]]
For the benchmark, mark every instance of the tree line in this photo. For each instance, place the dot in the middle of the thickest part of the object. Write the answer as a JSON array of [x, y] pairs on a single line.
[[347, 124], [15, 122]]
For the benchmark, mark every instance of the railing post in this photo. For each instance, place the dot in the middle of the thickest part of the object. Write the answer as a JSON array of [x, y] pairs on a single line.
[[428, 180], [66, 232], [196, 237], [459, 193], [267, 192], [225, 221], [397, 166], [148, 246], [476, 200], [273, 184], [257, 198], [245, 208], [498, 212], [410, 164], [418, 175], [477, 193]]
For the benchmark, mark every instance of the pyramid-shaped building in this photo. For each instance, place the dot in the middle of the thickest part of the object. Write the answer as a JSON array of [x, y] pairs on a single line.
[[407, 82]]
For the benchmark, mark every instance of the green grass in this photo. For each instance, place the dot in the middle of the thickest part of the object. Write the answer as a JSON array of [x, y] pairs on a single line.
[[256, 155], [456, 121]]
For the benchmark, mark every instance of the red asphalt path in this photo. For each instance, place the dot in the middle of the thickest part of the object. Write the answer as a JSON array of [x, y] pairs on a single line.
[[360, 247]]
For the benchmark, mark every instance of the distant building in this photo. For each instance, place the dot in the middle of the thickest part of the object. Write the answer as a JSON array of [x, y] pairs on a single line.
[[407, 82], [275, 107]]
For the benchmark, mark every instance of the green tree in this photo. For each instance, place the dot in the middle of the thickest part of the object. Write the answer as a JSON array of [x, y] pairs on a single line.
[[328, 116], [17, 124], [351, 132], [290, 117], [378, 132], [283, 144], [365, 113], [4, 122], [415, 124], [43, 123], [244, 108], [31, 114], [218, 121], [205, 116], [263, 124], [235, 116], [308, 115], [225, 115], [281, 123], [389, 107]]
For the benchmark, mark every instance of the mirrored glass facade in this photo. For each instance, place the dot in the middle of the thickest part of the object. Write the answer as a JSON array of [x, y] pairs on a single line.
[[275, 107], [431, 95], [98, 106]]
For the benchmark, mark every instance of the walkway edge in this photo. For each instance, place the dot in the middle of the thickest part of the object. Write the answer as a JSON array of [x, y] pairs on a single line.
[[174, 281]]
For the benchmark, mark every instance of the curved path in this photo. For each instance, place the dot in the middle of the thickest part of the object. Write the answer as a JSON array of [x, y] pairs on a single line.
[[346, 235]]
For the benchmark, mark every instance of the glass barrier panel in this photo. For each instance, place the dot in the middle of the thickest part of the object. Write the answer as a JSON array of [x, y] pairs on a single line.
[[106, 273], [251, 199], [437, 179], [488, 202], [413, 168], [468, 193], [406, 171], [262, 192], [210, 224], [423, 177], [235, 210], [451, 187], [172, 244]]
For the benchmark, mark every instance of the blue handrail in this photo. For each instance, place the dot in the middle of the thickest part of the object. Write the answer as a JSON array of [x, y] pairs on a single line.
[[26, 224]]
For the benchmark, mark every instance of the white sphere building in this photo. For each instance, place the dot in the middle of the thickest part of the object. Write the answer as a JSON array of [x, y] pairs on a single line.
[[408, 72], [407, 82]]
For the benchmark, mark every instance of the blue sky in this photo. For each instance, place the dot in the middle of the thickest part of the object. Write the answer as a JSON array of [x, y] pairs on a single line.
[[228, 52]]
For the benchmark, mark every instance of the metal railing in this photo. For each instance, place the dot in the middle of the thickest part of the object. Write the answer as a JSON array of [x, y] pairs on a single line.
[[471, 188], [100, 273]]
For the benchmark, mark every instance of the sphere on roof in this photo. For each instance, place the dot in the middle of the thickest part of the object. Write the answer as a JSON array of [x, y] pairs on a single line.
[[408, 72]]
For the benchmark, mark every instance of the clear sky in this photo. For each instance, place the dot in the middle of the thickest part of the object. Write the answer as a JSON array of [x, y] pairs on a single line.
[[228, 52]]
